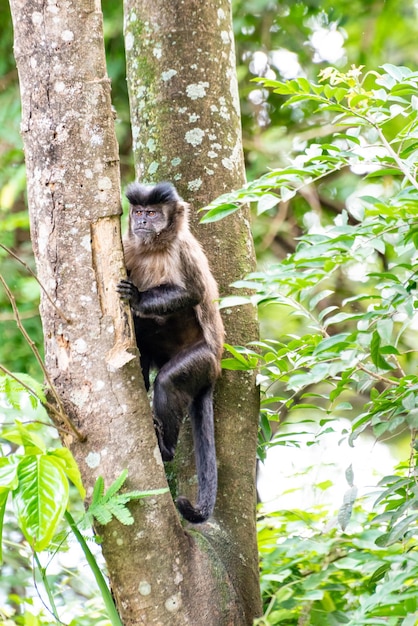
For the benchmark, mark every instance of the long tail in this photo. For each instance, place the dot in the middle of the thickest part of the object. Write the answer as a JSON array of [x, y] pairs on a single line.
[[201, 413]]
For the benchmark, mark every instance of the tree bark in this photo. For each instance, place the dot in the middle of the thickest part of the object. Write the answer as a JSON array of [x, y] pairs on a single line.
[[187, 129], [159, 573]]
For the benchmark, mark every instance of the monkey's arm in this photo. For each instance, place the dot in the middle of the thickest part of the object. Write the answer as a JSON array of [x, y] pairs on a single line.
[[161, 300]]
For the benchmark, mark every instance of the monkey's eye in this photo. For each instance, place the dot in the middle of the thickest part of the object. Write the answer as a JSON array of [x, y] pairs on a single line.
[[151, 213]]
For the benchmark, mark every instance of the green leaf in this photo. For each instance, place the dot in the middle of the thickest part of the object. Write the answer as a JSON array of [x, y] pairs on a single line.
[[25, 435], [344, 514], [376, 354], [398, 72], [8, 472], [117, 484], [234, 366], [344, 406], [397, 532], [98, 490], [342, 317], [105, 506], [219, 213], [267, 202], [388, 171], [349, 475], [242, 361], [40, 499], [4, 493], [234, 301], [378, 574], [64, 457], [336, 341], [318, 297], [12, 387]]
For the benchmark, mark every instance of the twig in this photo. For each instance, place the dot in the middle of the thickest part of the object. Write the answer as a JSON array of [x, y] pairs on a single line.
[[61, 411], [47, 405], [26, 266]]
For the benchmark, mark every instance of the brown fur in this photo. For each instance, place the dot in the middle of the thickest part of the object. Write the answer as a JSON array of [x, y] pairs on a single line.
[[179, 260]]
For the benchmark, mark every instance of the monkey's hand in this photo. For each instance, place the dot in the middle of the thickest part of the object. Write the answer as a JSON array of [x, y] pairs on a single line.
[[127, 291]]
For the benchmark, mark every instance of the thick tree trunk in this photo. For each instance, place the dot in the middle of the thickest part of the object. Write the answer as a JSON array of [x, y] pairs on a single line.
[[159, 573], [187, 129]]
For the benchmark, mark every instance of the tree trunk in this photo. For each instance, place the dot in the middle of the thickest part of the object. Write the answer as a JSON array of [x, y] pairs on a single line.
[[187, 129], [159, 573]]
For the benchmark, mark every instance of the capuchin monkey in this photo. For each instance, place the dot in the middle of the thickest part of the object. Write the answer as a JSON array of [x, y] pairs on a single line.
[[178, 327]]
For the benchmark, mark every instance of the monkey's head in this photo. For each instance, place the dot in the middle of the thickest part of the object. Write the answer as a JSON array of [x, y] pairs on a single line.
[[156, 214]]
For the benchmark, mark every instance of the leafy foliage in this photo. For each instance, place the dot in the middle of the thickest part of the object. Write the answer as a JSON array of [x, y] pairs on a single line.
[[315, 574], [351, 289], [289, 39], [360, 341], [37, 477], [105, 505]]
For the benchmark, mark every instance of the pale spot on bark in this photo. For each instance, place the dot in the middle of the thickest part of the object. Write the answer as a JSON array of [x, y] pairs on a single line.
[[104, 183], [178, 576], [173, 604], [117, 358], [151, 145], [96, 139], [195, 136], [86, 242], [67, 35], [197, 90], [37, 18], [129, 40], [93, 460], [144, 588], [165, 76], [225, 37], [194, 185], [153, 168], [80, 346]]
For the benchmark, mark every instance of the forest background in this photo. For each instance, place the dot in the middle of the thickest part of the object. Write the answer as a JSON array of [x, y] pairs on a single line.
[[316, 569]]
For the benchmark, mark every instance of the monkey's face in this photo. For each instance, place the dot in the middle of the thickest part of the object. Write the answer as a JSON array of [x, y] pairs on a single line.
[[147, 222]]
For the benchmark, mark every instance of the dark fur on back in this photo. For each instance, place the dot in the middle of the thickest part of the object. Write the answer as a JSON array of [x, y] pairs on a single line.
[[142, 195]]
